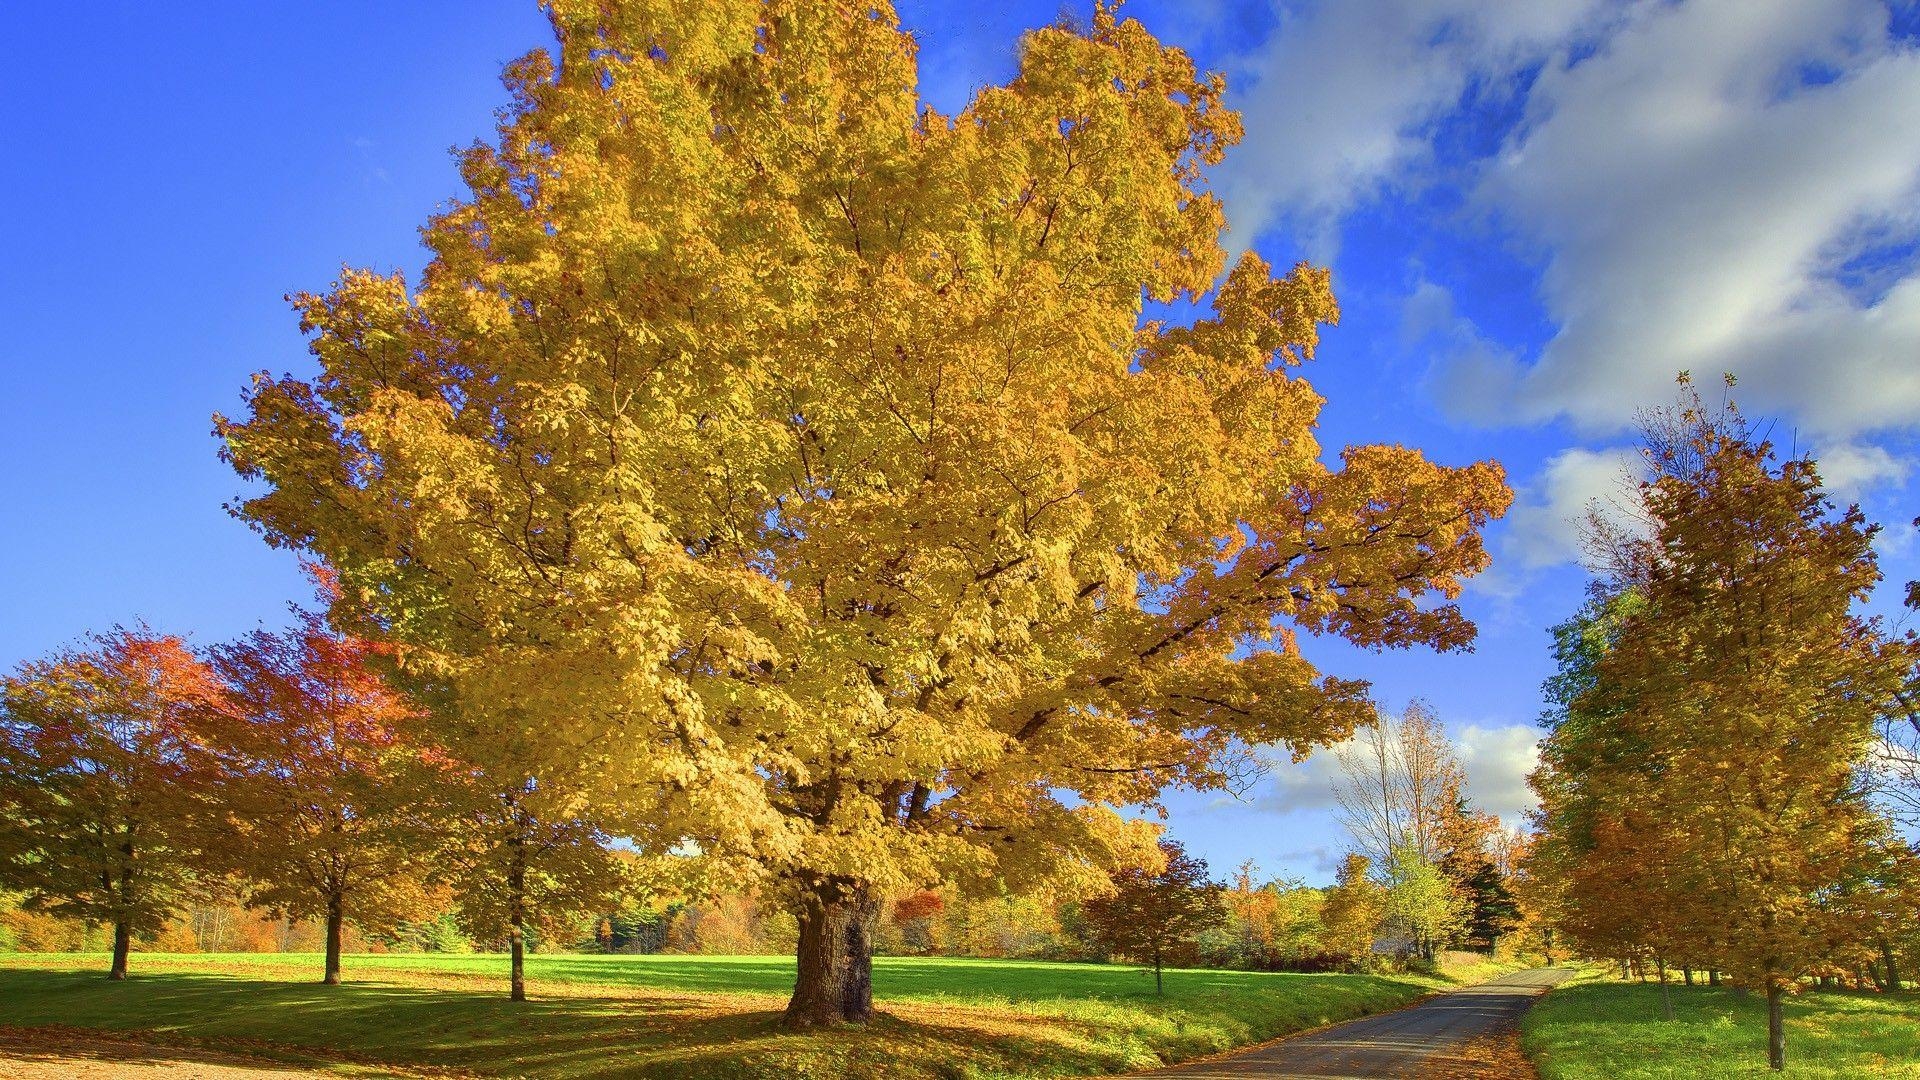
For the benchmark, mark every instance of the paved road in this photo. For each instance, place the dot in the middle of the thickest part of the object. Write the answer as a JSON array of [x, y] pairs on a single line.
[[1428, 1039]]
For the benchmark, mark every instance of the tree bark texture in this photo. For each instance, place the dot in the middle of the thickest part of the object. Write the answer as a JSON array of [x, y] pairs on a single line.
[[1776, 1027], [835, 982], [336, 918], [123, 922], [122, 945], [517, 919]]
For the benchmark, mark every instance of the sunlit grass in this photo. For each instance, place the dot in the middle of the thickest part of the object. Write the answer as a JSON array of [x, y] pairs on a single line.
[[1614, 1031], [688, 1017]]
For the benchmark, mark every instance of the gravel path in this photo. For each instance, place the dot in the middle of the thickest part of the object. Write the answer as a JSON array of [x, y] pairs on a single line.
[[1458, 1034]]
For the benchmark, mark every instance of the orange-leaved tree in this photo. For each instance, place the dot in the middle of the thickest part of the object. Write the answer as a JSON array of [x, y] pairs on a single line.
[[1704, 793], [804, 464], [326, 777], [106, 804]]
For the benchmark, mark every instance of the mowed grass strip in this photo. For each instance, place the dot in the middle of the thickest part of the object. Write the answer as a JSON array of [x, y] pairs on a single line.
[[686, 1016], [1614, 1031]]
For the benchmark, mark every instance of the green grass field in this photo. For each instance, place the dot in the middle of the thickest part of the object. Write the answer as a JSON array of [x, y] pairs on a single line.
[[685, 1016], [1604, 1030]]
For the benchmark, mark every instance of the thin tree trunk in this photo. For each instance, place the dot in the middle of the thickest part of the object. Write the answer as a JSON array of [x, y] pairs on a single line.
[[122, 945], [1776, 1027], [1159, 988], [517, 918], [1893, 970], [1713, 978], [123, 919], [835, 981], [336, 918], [1666, 993], [1686, 974]]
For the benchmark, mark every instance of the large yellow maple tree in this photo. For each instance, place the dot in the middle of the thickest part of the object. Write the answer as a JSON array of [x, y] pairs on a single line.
[[804, 461]]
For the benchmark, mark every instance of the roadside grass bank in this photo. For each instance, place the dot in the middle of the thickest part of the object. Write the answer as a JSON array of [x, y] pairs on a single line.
[[687, 1017], [1610, 1030]]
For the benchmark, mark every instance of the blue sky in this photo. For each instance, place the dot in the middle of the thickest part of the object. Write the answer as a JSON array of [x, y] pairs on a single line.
[[1536, 212]]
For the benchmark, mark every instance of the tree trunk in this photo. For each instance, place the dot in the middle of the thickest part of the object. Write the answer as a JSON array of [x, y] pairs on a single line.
[[1159, 987], [1893, 970], [1776, 1027], [335, 920], [123, 919], [835, 981], [1713, 978], [122, 945], [1686, 975], [517, 919], [1666, 993]]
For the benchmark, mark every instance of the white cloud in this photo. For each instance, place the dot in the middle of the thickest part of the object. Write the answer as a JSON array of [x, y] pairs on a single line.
[[1710, 185], [1897, 540], [1497, 761], [1544, 528], [1850, 469], [1336, 101], [1701, 189], [1304, 785]]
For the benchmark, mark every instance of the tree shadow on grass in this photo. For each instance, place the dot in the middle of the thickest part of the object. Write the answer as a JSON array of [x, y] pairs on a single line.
[[943, 978], [575, 1036], [63, 1047]]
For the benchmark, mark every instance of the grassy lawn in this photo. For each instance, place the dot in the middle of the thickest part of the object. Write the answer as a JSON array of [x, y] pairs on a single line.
[[687, 1017], [1613, 1031]]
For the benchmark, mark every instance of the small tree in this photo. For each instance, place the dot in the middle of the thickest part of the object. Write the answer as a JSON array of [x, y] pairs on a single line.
[[1355, 907], [1492, 911], [103, 794], [518, 863], [1155, 915], [1421, 901], [322, 773]]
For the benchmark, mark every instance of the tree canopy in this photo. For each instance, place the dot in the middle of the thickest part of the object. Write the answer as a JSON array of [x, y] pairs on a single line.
[[807, 464], [104, 792], [325, 773], [1154, 915], [1701, 793]]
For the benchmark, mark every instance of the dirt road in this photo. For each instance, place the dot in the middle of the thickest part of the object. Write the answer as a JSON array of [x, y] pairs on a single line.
[[1462, 1033]]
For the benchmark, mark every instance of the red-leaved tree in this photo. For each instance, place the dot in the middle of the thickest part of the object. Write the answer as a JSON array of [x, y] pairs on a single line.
[[323, 775]]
